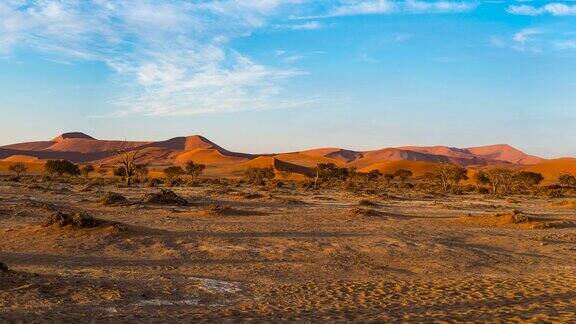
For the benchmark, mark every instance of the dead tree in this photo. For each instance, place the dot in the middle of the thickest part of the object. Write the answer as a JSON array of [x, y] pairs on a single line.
[[130, 159]]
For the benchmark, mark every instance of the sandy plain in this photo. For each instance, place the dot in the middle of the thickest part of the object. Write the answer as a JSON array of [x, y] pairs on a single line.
[[284, 254]]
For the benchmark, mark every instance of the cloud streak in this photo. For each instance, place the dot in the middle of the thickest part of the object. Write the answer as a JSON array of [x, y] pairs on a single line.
[[554, 9], [382, 7]]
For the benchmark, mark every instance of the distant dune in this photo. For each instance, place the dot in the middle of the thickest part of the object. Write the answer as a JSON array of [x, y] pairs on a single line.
[[21, 158], [81, 148]]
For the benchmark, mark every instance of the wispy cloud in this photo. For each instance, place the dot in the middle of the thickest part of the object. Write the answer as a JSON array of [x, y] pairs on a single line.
[[554, 9], [379, 7], [536, 40], [311, 25], [524, 40], [171, 56]]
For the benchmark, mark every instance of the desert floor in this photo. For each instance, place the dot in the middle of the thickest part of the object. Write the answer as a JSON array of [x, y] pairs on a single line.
[[283, 255]]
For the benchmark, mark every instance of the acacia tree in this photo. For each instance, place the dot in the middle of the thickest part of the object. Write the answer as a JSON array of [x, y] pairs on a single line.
[[194, 170], [130, 159], [528, 180], [449, 174], [499, 178], [18, 169]]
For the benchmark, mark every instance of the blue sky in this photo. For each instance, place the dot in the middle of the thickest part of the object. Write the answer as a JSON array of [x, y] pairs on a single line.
[[271, 75]]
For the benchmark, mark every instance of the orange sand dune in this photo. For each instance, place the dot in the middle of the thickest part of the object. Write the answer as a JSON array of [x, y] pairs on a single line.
[[206, 156], [551, 169], [307, 160], [334, 153], [30, 146], [441, 150], [21, 158], [504, 152], [81, 148], [90, 146], [72, 135], [33, 167], [392, 154]]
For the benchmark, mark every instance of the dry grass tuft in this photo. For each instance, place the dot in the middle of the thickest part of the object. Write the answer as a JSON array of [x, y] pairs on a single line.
[[80, 220], [113, 198], [367, 202], [248, 195], [165, 197], [512, 219]]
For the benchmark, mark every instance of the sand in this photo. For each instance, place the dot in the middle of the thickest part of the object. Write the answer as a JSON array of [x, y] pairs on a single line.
[[267, 260]]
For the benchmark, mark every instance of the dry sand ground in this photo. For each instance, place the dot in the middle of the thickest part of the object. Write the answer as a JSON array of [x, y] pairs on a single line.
[[272, 258]]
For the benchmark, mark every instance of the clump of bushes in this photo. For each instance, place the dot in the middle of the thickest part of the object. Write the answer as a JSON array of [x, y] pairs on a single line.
[[259, 176], [18, 169], [113, 198], [165, 197], [61, 167], [154, 182]]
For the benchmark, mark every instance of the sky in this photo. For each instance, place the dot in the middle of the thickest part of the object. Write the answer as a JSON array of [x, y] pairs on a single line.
[[272, 76]]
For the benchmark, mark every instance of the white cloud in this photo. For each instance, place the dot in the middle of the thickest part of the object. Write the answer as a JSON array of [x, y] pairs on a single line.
[[554, 9], [311, 25], [536, 40], [171, 56], [525, 35], [373, 7]]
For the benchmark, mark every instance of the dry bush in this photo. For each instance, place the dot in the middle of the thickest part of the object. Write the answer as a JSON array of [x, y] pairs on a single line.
[[514, 217], [80, 220], [286, 201], [154, 182], [367, 202], [248, 195], [113, 198], [363, 212], [77, 220], [165, 197], [324, 198]]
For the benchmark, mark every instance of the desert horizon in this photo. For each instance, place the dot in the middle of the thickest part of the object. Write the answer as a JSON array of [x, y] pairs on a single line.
[[287, 161]]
